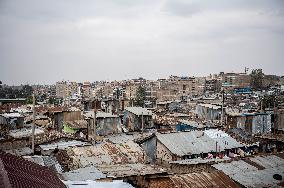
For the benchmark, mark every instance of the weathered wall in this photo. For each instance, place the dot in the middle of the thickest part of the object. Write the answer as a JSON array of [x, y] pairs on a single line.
[[107, 126], [279, 121], [163, 154], [150, 147], [134, 123]]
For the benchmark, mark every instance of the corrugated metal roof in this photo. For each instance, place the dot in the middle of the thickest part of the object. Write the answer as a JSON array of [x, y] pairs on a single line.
[[105, 115], [139, 111], [11, 115], [210, 106], [47, 161], [122, 138], [223, 139], [187, 143], [204, 179], [89, 184], [130, 170], [25, 132], [268, 161], [108, 153], [26, 174], [191, 123], [250, 176], [20, 151], [194, 180], [62, 145], [83, 174], [199, 161]]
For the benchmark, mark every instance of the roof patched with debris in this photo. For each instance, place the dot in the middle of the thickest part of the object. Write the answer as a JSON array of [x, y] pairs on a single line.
[[63, 145]]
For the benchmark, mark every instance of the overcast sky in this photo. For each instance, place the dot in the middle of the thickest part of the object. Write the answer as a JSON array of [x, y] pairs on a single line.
[[46, 41]]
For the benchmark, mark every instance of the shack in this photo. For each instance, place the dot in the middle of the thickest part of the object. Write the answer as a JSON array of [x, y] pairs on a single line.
[[61, 116], [137, 118], [107, 123], [253, 123], [10, 121], [193, 144], [208, 111]]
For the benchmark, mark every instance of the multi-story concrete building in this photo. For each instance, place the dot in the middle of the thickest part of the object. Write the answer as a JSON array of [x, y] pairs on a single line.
[[72, 88], [212, 85], [61, 89], [86, 89], [66, 89], [231, 81], [186, 87]]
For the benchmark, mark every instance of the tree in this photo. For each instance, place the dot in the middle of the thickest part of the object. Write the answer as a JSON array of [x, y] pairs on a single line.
[[257, 79], [29, 100], [140, 96]]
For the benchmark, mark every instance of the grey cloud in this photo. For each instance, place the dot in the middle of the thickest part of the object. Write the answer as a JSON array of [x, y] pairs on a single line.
[[45, 41], [182, 8]]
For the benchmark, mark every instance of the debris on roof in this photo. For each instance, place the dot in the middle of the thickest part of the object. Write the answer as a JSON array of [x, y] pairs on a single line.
[[25, 132], [105, 153], [77, 124], [62, 145], [164, 120], [42, 122]]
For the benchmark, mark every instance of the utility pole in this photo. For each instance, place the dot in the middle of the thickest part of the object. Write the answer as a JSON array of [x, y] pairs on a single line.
[[142, 119], [222, 113], [33, 128], [94, 128]]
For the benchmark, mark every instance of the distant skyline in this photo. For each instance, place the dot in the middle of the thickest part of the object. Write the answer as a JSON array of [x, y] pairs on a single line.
[[42, 42]]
